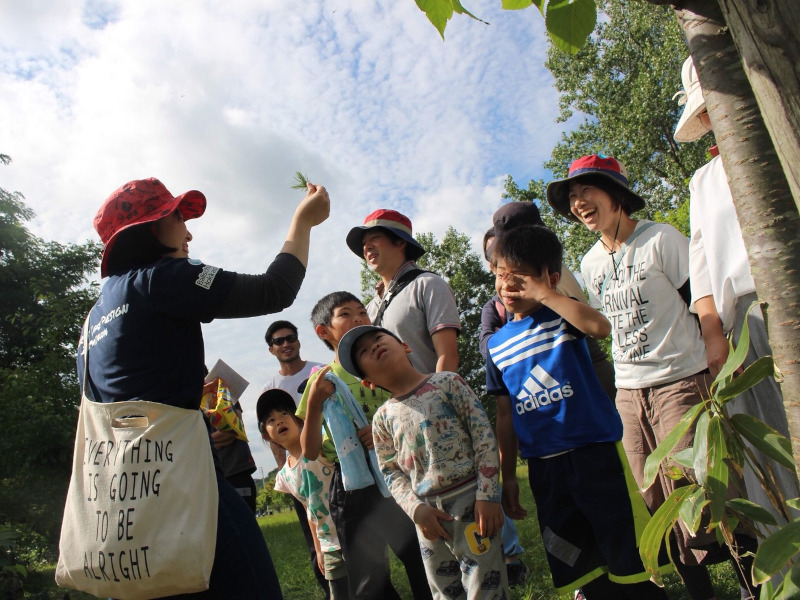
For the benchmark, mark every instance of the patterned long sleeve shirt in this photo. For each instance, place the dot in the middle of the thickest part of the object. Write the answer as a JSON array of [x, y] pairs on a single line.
[[435, 439]]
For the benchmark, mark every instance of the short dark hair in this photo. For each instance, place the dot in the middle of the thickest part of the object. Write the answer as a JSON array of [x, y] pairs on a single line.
[[275, 327], [619, 196], [530, 246], [135, 247], [322, 313]]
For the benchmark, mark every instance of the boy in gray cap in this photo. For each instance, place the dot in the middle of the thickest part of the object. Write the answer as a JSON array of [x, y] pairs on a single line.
[[438, 454]]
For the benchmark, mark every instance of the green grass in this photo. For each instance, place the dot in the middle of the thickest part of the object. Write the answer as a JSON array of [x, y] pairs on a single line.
[[290, 556], [288, 550]]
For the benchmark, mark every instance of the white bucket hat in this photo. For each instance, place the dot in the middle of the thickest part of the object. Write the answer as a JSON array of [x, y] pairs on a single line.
[[690, 127]]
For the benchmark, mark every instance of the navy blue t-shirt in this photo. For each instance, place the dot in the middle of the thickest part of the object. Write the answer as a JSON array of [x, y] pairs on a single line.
[[145, 336], [557, 402]]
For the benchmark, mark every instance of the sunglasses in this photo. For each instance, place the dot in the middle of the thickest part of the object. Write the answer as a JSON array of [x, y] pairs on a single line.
[[278, 341]]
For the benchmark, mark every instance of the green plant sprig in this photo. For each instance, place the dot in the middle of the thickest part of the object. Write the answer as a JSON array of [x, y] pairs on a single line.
[[300, 181]]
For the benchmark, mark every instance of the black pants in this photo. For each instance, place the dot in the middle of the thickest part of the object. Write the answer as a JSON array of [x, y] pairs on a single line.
[[242, 565], [366, 523], [246, 488]]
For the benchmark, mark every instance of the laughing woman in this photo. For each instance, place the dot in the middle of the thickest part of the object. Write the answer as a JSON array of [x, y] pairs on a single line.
[[637, 274]]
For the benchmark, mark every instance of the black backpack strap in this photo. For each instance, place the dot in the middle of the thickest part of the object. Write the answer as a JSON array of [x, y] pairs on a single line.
[[401, 282]]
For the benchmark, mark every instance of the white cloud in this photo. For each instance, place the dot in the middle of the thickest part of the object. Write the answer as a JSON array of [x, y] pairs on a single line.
[[233, 98]]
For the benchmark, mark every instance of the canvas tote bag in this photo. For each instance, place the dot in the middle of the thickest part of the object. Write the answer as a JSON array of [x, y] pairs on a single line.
[[140, 519]]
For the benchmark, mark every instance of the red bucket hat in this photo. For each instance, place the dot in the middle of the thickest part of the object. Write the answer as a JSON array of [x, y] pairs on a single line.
[[397, 223], [137, 202], [595, 164]]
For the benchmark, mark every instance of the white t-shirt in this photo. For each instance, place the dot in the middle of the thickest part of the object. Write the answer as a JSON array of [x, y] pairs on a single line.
[[655, 339], [717, 256], [290, 383]]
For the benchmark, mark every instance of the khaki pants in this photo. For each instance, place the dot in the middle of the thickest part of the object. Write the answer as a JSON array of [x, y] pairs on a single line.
[[648, 415]]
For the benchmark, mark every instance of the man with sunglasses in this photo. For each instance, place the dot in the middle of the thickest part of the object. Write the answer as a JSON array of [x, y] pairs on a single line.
[[284, 344]]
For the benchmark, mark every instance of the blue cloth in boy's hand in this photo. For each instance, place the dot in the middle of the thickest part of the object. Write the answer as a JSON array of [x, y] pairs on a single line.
[[344, 418]]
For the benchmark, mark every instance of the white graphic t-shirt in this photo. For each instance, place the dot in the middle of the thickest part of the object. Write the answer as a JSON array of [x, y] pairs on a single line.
[[655, 339]]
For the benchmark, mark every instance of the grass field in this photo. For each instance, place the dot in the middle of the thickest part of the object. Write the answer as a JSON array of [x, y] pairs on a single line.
[[288, 549], [289, 554]]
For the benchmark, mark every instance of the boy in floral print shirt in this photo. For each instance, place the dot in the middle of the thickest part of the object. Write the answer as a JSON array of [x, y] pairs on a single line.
[[306, 480], [438, 453]]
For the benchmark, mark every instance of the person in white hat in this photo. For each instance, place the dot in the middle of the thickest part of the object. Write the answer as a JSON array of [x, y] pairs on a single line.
[[722, 284]]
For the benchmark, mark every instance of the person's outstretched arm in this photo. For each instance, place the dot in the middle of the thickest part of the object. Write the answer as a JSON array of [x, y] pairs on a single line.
[[276, 289]]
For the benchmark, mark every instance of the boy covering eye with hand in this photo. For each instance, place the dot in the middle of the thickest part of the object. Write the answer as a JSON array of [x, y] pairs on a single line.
[[552, 407]]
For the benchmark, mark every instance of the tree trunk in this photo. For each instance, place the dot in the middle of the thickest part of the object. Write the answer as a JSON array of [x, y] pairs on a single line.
[[767, 213], [765, 34]]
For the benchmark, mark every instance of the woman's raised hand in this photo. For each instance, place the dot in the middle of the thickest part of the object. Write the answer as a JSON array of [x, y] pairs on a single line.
[[315, 207], [312, 211]]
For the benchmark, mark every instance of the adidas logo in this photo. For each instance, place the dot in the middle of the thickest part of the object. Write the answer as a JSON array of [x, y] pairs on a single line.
[[540, 389]]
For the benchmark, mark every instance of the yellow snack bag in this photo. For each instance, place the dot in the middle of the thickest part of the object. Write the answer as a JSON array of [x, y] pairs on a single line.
[[218, 408]]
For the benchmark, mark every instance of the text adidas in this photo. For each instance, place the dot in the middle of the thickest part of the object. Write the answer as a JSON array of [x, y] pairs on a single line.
[[544, 398]]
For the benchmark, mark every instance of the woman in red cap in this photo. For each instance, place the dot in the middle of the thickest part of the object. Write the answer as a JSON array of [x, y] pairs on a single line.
[[637, 274], [145, 339]]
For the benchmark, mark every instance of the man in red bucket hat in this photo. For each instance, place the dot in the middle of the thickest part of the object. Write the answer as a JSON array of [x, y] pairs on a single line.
[[416, 305]]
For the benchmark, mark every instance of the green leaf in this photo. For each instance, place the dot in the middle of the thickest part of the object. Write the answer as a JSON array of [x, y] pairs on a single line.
[[736, 357], [569, 23], [659, 527], [520, 4], [765, 439], [300, 181], [700, 449], [776, 551], [665, 448], [793, 503], [768, 591], [439, 12], [717, 481], [459, 8], [760, 369], [791, 583], [685, 458], [691, 509], [751, 510], [19, 569]]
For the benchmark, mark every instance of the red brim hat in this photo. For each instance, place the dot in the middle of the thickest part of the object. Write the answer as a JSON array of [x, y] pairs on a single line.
[[391, 220], [141, 201], [606, 167]]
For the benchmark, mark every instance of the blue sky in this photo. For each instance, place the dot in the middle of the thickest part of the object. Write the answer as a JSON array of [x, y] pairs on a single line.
[[232, 98]]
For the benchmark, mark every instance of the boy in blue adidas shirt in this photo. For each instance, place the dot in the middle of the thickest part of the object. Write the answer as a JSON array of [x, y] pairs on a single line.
[[552, 407]]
